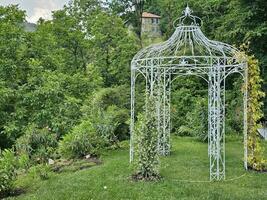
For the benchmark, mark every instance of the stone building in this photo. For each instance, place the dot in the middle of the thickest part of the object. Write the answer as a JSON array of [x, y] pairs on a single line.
[[150, 25]]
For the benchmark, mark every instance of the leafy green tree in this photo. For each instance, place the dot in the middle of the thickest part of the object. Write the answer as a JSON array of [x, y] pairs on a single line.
[[186, 92], [139, 9], [50, 99], [13, 65], [71, 38], [113, 48]]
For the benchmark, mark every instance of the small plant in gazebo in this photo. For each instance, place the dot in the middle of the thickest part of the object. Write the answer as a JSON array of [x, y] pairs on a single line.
[[147, 161]]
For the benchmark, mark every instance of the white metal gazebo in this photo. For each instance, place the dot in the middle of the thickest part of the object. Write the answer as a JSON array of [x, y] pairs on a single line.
[[189, 52]]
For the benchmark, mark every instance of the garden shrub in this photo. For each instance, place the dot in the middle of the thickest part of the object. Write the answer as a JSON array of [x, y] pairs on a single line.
[[196, 120], [186, 91], [40, 171], [120, 116], [107, 109], [24, 162], [104, 97], [81, 141], [182, 102], [184, 130], [147, 144], [234, 105], [110, 123], [38, 143], [8, 167]]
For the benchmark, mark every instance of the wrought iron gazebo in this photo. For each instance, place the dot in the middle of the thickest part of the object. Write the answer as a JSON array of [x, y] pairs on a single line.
[[189, 52]]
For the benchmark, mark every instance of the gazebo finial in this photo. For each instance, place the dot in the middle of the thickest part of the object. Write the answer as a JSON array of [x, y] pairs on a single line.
[[187, 14], [187, 11]]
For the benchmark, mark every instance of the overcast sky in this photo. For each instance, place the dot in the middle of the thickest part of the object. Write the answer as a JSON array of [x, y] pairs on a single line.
[[37, 8]]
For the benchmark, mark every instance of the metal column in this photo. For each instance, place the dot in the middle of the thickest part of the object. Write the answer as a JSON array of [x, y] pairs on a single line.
[[216, 123]]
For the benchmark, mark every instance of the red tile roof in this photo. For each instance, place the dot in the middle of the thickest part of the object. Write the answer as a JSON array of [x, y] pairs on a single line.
[[149, 15]]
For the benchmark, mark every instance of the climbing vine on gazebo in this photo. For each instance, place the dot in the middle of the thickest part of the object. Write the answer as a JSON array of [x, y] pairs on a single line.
[[256, 159]]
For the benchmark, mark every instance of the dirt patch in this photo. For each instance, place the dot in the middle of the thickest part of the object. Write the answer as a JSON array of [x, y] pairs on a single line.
[[95, 160], [75, 164]]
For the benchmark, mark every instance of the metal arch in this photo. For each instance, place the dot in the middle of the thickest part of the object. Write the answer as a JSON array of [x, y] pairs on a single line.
[[189, 52], [235, 70], [197, 75]]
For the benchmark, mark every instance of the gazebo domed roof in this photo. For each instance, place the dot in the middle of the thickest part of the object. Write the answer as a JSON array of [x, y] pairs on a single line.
[[187, 45]]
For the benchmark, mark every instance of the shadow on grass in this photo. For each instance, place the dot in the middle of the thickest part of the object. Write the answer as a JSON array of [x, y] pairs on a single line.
[[13, 193]]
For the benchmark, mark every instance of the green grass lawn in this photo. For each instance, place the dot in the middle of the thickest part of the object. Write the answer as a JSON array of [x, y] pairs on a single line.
[[185, 172]]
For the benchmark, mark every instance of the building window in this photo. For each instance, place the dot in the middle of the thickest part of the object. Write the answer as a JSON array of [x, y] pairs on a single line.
[[154, 20]]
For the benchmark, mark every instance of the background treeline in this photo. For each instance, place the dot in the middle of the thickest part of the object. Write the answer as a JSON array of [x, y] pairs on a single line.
[[65, 88]]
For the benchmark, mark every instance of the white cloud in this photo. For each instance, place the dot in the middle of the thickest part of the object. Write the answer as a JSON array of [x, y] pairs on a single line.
[[38, 13], [37, 8], [43, 8]]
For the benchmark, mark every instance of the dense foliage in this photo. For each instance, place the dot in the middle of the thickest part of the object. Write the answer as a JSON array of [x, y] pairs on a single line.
[[108, 110], [47, 75], [81, 141], [37, 144]]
